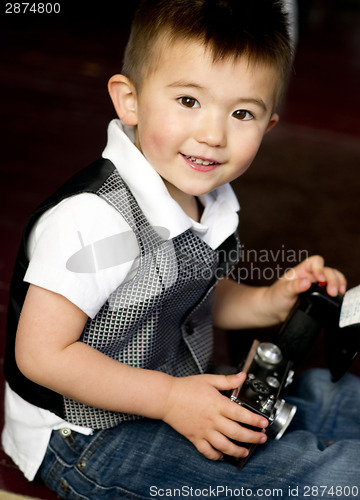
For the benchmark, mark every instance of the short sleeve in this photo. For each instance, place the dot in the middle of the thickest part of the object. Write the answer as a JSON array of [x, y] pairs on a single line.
[[82, 249]]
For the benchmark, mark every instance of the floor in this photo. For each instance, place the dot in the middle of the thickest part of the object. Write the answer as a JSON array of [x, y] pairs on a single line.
[[299, 198]]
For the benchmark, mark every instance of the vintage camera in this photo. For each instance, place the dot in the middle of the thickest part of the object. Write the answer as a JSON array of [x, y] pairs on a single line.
[[270, 367], [268, 372]]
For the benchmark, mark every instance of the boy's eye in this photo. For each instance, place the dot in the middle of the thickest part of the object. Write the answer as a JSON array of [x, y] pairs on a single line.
[[189, 102], [242, 114]]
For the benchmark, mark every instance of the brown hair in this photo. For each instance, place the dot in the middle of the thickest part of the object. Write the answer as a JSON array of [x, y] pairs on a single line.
[[229, 28]]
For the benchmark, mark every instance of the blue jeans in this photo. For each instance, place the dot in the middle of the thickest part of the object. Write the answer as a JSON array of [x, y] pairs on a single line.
[[318, 457]]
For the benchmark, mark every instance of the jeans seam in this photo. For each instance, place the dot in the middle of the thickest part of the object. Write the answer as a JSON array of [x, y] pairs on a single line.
[[72, 444], [94, 445], [55, 470]]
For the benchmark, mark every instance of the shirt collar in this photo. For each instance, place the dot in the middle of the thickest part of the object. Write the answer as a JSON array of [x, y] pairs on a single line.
[[160, 209]]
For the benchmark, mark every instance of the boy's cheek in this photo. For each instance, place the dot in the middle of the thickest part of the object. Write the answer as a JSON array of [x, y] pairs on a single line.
[[158, 140], [150, 143], [246, 146]]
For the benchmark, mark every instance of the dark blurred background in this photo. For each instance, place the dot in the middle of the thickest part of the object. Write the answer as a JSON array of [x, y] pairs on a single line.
[[300, 197]]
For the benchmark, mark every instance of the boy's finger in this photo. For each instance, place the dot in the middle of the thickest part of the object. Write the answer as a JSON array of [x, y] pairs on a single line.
[[294, 286], [208, 450], [239, 414], [336, 282], [316, 265], [228, 382]]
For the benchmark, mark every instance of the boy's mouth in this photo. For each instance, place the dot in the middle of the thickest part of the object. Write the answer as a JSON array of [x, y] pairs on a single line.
[[200, 163]]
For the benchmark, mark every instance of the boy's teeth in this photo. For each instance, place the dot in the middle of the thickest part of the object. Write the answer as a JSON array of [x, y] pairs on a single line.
[[199, 162]]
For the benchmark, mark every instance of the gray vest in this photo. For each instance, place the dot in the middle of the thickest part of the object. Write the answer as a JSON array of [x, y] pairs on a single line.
[[161, 318]]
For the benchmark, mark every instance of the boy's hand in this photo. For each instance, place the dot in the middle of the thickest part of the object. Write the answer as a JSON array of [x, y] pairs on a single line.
[[198, 411], [284, 292]]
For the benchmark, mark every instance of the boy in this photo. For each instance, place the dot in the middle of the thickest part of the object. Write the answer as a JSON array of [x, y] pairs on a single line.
[[108, 378]]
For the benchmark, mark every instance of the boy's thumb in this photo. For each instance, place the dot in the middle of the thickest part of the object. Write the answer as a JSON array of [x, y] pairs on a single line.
[[227, 382]]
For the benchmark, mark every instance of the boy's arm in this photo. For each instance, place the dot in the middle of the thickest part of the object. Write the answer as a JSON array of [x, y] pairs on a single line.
[[239, 306], [49, 353]]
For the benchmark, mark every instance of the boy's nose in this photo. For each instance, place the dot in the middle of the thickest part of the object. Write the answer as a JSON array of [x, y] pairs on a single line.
[[211, 131]]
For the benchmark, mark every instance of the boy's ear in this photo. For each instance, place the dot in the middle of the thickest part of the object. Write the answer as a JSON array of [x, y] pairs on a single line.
[[273, 121], [123, 96]]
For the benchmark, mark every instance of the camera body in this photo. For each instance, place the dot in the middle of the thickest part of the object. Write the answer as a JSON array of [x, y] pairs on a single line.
[[270, 367]]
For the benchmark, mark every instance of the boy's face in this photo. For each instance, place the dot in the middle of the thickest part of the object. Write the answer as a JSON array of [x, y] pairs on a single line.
[[200, 123]]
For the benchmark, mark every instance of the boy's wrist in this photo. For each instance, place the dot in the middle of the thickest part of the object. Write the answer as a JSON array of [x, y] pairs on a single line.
[[270, 312], [159, 395]]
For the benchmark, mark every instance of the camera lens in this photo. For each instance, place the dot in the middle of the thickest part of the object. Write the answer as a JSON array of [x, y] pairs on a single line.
[[284, 414]]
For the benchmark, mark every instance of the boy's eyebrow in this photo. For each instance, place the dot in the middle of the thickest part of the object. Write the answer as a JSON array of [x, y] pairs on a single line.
[[252, 100], [258, 102], [183, 83]]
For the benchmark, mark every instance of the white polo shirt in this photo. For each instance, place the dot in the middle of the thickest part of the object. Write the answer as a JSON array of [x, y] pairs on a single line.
[[83, 220]]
